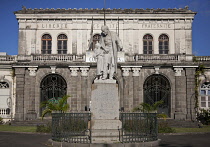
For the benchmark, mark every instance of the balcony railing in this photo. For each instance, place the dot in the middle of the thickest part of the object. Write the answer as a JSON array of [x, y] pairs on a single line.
[[58, 58], [201, 58], [7, 58], [83, 58], [5, 113], [157, 58]]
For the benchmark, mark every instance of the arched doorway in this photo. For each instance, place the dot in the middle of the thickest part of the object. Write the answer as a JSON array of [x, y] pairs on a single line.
[[156, 88], [52, 88]]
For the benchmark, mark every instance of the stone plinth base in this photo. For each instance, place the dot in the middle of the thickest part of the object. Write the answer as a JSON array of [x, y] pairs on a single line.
[[141, 144], [105, 100], [105, 112]]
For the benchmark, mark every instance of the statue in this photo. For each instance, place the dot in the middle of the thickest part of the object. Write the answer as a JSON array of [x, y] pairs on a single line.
[[99, 56], [109, 43]]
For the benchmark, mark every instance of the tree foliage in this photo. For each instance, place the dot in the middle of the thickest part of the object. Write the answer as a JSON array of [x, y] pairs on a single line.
[[61, 106], [148, 108]]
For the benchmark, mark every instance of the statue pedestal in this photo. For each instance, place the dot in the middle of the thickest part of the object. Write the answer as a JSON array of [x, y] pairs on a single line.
[[105, 112]]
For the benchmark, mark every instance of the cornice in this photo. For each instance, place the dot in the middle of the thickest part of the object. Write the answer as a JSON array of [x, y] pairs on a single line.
[[101, 11]]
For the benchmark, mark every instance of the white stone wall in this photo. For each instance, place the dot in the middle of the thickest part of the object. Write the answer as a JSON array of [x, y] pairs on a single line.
[[6, 75], [132, 28]]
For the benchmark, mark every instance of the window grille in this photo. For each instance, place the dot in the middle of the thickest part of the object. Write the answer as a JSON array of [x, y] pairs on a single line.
[[156, 88]]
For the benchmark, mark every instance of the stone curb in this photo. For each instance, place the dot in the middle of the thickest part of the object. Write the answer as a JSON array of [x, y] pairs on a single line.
[[188, 133], [141, 144]]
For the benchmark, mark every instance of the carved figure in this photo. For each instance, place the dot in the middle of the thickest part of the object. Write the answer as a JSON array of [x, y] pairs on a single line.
[[99, 56], [110, 43]]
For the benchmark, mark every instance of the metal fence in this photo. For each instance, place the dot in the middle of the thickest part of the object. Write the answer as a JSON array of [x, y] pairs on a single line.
[[71, 127], [138, 127]]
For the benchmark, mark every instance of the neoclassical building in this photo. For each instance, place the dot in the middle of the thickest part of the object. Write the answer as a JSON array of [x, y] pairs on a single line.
[[56, 57]]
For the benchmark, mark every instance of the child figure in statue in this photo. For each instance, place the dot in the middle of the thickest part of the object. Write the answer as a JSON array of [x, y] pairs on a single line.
[[99, 56]]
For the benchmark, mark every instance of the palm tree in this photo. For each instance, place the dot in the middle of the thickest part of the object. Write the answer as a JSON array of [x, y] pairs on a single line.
[[61, 105], [148, 108]]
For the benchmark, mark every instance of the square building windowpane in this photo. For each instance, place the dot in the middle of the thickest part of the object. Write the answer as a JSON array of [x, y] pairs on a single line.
[[203, 92], [203, 104], [203, 99]]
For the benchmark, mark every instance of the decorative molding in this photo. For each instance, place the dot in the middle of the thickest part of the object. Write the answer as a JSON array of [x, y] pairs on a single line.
[[157, 68], [136, 71], [32, 71], [134, 66], [74, 71], [78, 66], [2, 77], [178, 71], [24, 66], [126, 71], [84, 72], [185, 66], [53, 69]]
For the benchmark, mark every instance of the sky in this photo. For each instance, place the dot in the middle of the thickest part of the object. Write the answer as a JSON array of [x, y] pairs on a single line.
[[9, 24]]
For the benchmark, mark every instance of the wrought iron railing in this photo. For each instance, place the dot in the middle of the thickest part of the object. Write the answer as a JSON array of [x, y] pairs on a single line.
[[71, 127], [138, 127]]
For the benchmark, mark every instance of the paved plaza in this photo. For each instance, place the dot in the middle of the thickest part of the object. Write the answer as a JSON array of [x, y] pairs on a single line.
[[9, 139]]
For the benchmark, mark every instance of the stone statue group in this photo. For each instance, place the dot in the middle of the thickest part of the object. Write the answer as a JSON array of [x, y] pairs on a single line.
[[106, 53]]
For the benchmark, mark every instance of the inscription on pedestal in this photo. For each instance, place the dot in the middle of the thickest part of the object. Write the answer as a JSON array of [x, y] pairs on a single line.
[[104, 101]]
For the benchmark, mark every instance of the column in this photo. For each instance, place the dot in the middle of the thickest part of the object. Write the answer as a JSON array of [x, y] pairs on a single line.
[[136, 98], [126, 88], [31, 113], [180, 94], [190, 85], [20, 82]]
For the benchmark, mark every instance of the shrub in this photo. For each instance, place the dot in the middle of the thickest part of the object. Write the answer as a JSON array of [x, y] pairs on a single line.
[[163, 127], [204, 116], [1, 121], [44, 128]]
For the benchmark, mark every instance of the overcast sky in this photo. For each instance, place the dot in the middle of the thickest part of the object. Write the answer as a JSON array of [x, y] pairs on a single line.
[[9, 24]]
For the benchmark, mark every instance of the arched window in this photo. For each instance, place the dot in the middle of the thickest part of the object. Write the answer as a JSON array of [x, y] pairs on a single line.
[[5, 99], [96, 38], [53, 87], [156, 88], [46, 44], [62, 44], [163, 44], [205, 95], [148, 44]]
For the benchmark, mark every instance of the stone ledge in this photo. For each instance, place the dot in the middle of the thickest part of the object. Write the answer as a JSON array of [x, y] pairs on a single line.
[[65, 144]]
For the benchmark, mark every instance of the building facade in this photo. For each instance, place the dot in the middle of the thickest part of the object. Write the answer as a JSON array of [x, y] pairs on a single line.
[[55, 58]]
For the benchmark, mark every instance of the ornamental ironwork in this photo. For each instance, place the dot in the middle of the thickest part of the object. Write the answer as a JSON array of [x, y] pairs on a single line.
[[71, 127], [53, 87], [205, 85], [138, 127], [156, 88], [4, 85]]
